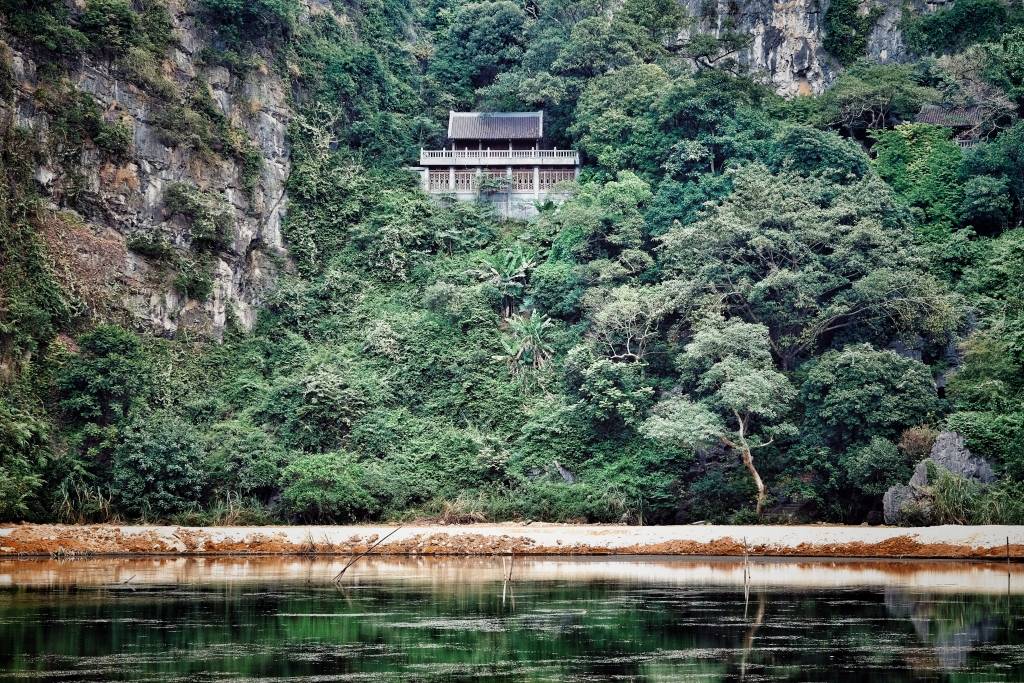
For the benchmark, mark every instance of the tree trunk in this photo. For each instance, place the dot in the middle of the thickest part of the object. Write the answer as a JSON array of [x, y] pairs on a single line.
[[748, 460]]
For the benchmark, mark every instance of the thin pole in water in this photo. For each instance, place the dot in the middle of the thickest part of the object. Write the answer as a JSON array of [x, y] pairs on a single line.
[[364, 554]]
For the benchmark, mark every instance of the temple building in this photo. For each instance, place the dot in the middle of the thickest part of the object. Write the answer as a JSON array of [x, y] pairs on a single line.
[[498, 157], [966, 122]]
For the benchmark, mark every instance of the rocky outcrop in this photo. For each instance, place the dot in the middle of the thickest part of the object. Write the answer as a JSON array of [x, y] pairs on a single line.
[[949, 453], [785, 38], [117, 199]]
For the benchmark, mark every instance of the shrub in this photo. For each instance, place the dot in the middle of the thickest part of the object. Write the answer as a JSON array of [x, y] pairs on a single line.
[[1002, 503], [847, 30], [158, 467], [812, 152], [210, 219], [24, 452], [860, 392], [240, 21], [557, 288], [46, 24], [111, 377], [181, 125], [244, 460], [954, 500], [315, 409], [151, 244], [75, 116], [143, 69], [877, 466], [194, 279], [997, 436], [112, 26], [957, 500], [115, 140], [325, 487], [554, 501], [953, 28], [986, 203], [917, 442]]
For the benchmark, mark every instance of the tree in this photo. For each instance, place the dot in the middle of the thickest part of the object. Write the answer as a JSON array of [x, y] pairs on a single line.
[[859, 392], [950, 29], [811, 261], [594, 47], [528, 344], [314, 408], [1002, 157], [652, 25], [24, 453], [874, 467], [847, 30], [922, 165], [157, 468], [986, 204], [601, 220], [109, 379], [871, 96], [613, 394], [639, 118], [613, 122], [812, 152], [626, 319], [507, 273], [250, 20], [482, 40], [734, 395]]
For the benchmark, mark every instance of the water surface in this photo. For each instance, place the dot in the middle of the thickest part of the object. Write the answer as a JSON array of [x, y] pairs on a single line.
[[441, 619]]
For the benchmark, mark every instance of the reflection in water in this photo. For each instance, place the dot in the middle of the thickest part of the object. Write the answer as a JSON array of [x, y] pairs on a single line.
[[255, 619]]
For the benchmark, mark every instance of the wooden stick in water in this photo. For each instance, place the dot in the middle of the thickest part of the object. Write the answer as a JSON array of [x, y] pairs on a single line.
[[364, 554]]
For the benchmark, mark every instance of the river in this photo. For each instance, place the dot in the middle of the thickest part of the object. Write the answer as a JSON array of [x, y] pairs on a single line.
[[558, 619]]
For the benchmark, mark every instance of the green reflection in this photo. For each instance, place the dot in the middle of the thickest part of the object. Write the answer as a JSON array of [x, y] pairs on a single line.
[[539, 630]]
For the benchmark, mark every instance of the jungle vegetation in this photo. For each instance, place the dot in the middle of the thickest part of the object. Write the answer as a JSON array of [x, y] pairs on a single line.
[[750, 306]]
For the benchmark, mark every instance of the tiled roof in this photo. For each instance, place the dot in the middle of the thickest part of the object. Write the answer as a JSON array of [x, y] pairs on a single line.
[[499, 125], [953, 117]]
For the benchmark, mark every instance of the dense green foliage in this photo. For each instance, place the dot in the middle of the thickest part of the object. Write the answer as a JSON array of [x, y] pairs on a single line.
[[963, 23], [847, 29], [747, 304]]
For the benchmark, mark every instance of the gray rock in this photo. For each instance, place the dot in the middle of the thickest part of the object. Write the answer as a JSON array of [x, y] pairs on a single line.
[[950, 453], [896, 501], [567, 476]]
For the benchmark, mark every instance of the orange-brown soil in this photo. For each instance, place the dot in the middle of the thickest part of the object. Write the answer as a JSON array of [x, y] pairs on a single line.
[[113, 540]]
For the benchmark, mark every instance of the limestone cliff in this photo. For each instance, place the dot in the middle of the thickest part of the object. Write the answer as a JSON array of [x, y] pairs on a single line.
[[106, 206], [784, 39]]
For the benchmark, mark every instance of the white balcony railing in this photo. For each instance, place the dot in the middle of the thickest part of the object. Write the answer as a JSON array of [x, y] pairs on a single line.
[[496, 157]]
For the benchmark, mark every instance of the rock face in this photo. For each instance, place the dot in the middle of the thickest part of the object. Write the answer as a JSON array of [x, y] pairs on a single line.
[[786, 37], [112, 200], [950, 453]]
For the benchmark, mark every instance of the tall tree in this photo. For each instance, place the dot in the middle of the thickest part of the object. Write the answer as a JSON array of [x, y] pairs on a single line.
[[734, 395]]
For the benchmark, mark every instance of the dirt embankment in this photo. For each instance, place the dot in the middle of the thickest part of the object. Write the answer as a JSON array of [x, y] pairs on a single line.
[[540, 539]]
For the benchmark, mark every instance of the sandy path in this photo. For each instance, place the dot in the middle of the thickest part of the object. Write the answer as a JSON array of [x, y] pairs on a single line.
[[536, 539]]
